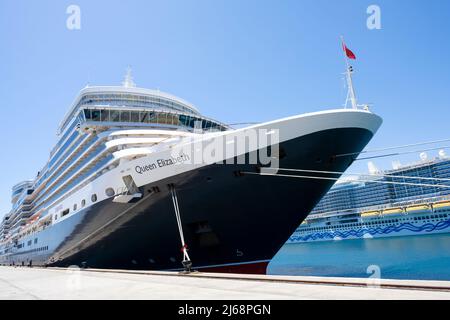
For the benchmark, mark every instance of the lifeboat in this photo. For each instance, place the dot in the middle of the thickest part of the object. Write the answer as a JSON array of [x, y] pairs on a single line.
[[370, 214], [442, 204], [422, 207], [393, 211]]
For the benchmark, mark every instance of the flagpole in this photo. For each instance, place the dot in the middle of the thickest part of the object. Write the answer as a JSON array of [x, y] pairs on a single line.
[[349, 77]]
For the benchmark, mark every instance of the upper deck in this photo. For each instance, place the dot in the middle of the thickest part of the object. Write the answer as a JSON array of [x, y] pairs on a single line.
[[120, 97]]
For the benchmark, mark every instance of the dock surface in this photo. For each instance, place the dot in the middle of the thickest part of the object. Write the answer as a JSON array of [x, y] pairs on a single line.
[[91, 284]]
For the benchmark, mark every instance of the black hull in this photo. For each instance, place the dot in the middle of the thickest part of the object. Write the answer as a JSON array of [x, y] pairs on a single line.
[[228, 218]]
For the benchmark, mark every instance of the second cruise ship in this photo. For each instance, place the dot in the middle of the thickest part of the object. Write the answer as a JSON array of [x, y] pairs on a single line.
[[409, 200]]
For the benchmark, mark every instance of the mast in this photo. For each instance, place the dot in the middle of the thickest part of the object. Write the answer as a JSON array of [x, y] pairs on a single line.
[[349, 71]]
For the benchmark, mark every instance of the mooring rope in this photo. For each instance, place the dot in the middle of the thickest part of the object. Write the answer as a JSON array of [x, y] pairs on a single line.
[[186, 257], [360, 180], [398, 147], [399, 153], [359, 174]]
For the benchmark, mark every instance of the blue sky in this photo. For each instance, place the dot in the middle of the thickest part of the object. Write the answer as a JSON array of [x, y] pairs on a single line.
[[238, 61]]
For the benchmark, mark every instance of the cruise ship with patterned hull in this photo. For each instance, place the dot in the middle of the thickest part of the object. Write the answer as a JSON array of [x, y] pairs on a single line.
[[121, 190], [406, 201]]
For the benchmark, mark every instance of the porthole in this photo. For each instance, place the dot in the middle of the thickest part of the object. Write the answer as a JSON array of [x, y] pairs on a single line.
[[94, 198], [83, 203], [75, 207], [110, 192]]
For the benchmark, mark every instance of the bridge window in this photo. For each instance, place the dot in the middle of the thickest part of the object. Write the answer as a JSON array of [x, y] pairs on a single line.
[[124, 116], [143, 116], [164, 118], [135, 116], [95, 115], [105, 115], [114, 116]]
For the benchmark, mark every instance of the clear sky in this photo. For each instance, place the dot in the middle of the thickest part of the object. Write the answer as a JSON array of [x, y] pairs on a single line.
[[236, 60]]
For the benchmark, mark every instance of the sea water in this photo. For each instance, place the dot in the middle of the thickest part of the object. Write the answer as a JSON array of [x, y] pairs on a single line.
[[421, 257]]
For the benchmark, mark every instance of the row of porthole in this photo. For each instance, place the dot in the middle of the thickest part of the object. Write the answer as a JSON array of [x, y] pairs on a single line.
[[40, 249], [109, 192]]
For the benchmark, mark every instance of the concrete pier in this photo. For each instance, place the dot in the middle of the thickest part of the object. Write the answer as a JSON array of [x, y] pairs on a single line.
[[62, 284]]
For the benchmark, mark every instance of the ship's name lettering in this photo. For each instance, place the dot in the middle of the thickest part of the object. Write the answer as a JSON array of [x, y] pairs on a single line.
[[160, 163]]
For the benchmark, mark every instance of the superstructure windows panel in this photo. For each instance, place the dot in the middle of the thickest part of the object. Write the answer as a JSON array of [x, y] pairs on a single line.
[[151, 117]]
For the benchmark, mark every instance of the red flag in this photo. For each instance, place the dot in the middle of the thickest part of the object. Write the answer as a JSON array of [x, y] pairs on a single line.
[[349, 53]]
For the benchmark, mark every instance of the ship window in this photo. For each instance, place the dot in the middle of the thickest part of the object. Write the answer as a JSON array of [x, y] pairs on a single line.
[[35, 241], [95, 115], [151, 117], [183, 120], [157, 118], [105, 115], [65, 212], [87, 114], [172, 119], [134, 116], [75, 207], [110, 192], [94, 198], [192, 121], [162, 118], [114, 115], [83, 203], [125, 116], [143, 117]]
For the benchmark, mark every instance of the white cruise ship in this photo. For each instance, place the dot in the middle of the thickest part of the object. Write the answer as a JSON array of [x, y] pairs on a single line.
[[120, 190], [408, 200]]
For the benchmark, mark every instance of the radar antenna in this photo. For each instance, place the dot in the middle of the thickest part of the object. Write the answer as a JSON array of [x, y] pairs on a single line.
[[128, 82]]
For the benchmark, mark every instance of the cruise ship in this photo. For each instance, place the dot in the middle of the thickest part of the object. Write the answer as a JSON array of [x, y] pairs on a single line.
[[120, 189], [408, 200]]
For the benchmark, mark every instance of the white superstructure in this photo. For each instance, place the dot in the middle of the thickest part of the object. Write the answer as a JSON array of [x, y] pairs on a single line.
[[104, 127]]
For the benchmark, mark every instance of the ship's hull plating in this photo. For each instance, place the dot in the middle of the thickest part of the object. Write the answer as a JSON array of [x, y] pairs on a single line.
[[228, 218]]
